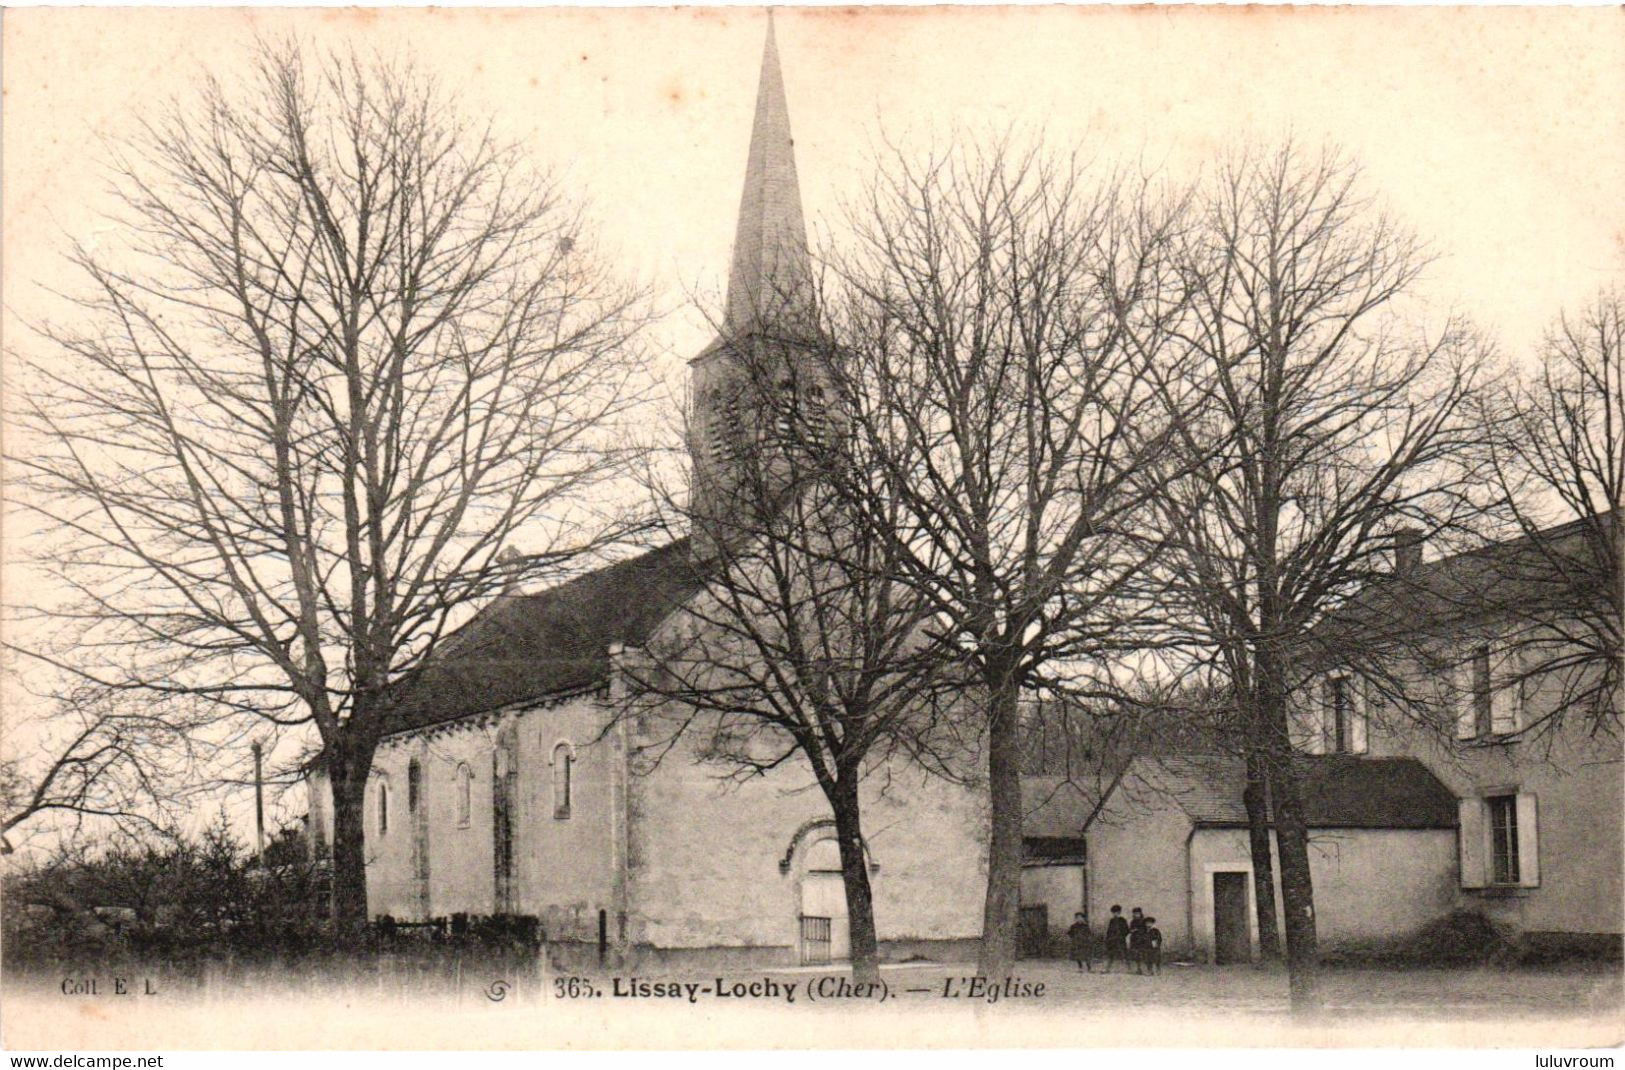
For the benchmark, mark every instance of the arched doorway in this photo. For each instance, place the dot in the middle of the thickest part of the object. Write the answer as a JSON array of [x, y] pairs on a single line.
[[825, 936]]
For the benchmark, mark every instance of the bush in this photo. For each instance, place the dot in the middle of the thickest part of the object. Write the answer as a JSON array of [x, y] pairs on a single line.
[[1462, 938], [167, 897]]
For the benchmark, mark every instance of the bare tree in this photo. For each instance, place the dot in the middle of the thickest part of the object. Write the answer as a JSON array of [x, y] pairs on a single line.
[[1325, 429], [1016, 431], [805, 644], [98, 756], [1560, 459], [351, 348]]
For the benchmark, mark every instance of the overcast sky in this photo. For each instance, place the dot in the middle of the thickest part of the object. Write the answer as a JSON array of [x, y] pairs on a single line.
[[1498, 134]]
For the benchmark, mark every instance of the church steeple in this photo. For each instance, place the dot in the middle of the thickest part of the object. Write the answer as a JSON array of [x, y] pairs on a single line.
[[766, 349], [771, 272]]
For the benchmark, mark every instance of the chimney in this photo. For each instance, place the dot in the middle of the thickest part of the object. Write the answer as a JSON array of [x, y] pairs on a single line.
[[1407, 551]]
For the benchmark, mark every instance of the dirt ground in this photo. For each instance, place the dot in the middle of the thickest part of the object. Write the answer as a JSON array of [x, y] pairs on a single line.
[[1187, 1006], [1586, 990]]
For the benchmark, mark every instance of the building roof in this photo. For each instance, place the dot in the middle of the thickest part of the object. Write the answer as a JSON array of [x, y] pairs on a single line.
[[1053, 807], [1054, 850], [1545, 569], [525, 647], [1339, 790]]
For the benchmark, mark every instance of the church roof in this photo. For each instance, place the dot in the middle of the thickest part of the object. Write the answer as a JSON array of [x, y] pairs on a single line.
[[1339, 791], [525, 647], [770, 259]]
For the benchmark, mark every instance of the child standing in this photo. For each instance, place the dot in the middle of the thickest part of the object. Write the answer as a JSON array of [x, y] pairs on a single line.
[[1153, 945], [1083, 952], [1116, 938], [1138, 945]]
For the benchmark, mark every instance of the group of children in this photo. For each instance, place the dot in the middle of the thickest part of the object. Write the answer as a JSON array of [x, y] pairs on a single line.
[[1134, 940]]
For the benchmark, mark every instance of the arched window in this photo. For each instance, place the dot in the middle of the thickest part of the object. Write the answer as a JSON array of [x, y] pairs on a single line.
[[383, 807], [414, 786], [564, 758], [465, 794]]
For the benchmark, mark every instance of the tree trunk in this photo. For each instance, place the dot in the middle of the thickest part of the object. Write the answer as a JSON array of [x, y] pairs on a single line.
[[347, 771], [1002, 908], [860, 904], [1291, 840], [1256, 800]]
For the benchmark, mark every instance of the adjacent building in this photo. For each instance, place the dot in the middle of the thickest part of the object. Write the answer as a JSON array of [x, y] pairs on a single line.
[[1486, 667]]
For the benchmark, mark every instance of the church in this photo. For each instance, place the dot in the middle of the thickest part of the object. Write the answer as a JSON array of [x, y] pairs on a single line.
[[508, 785], [511, 781]]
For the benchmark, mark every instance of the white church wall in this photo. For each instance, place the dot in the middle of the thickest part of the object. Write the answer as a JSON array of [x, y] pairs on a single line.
[[706, 857], [562, 864]]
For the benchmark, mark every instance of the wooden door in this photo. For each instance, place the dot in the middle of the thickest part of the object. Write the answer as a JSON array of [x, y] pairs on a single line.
[[823, 895], [1232, 935], [1034, 935]]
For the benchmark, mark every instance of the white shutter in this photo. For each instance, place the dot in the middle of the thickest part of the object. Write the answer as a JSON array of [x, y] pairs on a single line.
[[1503, 690], [1459, 684], [1528, 841], [1471, 842], [1359, 718]]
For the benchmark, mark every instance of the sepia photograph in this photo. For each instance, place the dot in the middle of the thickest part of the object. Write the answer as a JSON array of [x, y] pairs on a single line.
[[740, 528]]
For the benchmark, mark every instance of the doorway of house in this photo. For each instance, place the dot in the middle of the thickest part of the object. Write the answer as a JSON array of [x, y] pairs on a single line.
[[1033, 937], [1232, 935], [825, 936]]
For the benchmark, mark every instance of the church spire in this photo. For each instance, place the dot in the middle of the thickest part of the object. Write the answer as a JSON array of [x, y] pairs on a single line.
[[771, 268]]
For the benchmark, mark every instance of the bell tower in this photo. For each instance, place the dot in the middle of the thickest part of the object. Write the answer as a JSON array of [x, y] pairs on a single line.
[[767, 338]]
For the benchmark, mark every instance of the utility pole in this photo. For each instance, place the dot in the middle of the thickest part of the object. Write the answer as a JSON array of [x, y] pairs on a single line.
[[259, 806]]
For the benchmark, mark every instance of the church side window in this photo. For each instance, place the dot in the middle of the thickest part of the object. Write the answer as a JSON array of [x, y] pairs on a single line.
[[563, 774], [465, 794], [383, 807]]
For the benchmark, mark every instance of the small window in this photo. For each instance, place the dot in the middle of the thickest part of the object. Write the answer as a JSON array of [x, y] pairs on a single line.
[[414, 786], [1503, 818], [383, 807], [465, 794], [563, 773]]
